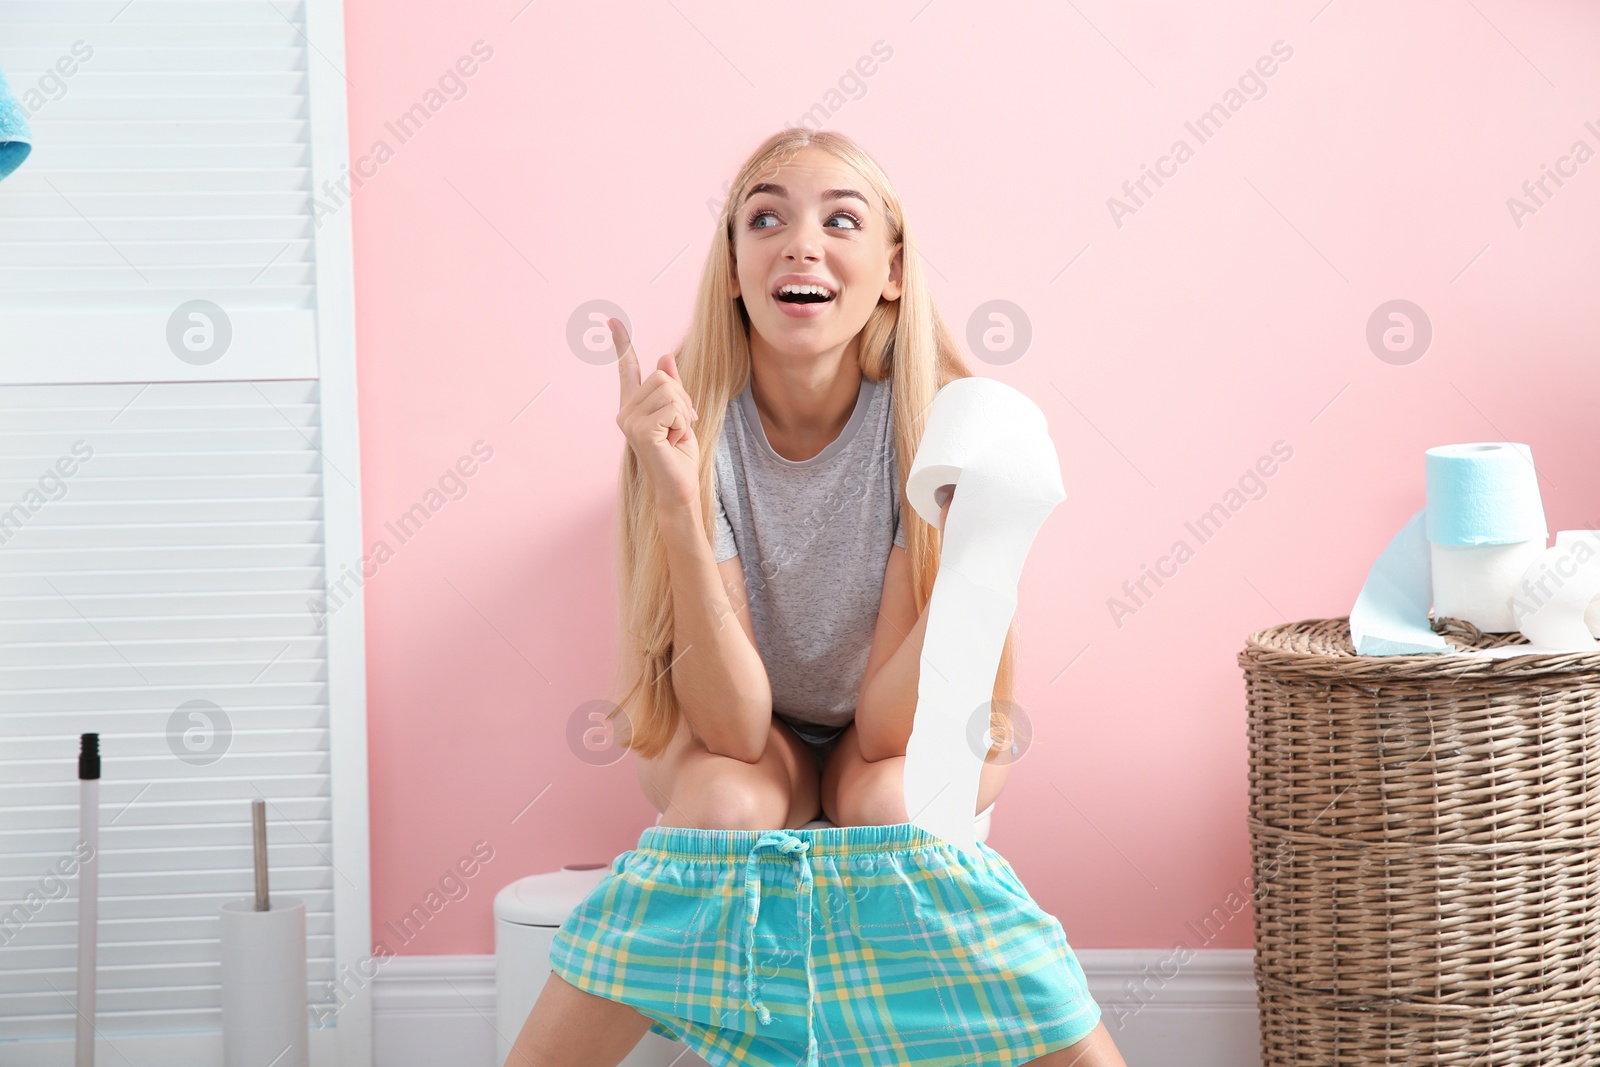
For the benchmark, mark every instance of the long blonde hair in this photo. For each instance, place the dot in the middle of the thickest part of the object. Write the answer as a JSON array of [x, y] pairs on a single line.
[[904, 340]]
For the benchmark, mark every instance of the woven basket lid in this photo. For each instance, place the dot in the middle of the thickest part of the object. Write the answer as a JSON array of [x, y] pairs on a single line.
[[1322, 648]]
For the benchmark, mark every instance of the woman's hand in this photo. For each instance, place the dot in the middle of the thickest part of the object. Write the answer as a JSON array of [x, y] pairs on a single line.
[[945, 493], [656, 417]]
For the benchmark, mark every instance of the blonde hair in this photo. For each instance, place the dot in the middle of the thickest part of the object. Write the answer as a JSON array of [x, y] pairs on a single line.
[[903, 340]]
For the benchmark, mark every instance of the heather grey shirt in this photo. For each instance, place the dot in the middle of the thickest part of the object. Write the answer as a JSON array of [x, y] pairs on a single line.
[[813, 539]]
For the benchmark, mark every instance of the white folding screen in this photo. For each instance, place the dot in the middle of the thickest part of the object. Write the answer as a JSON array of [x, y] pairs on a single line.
[[178, 476], [172, 163]]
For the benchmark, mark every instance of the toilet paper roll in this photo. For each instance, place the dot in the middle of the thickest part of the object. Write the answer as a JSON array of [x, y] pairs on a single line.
[[264, 1009], [1478, 582], [1558, 599], [1483, 526], [1486, 523], [992, 443], [1485, 493], [1565, 538]]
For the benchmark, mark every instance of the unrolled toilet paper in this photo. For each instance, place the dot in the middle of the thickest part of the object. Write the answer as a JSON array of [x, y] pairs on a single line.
[[992, 443], [1390, 617]]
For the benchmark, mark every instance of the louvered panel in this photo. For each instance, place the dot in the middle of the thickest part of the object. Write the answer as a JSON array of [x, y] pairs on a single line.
[[23, 283], [106, 676], [141, 49], [176, 485], [255, 756], [212, 136], [296, 792], [240, 106], [146, 856], [170, 580], [151, 812], [132, 611], [199, 800], [112, 398], [172, 164], [38, 664], [43, 35], [44, 654], [78, 216], [133, 916], [244, 696], [178, 629], [166, 187], [192, 940], [175, 91], [180, 564], [121, 949], [213, 879], [195, 230], [92, 13], [286, 513], [71, 157], [58, 255], [166, 975]]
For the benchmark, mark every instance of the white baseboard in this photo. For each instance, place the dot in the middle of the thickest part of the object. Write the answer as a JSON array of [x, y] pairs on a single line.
[[432, 1010], [429, 1010]]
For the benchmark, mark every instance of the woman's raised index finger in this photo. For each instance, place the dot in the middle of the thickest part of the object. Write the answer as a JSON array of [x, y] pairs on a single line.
[[627, 361]]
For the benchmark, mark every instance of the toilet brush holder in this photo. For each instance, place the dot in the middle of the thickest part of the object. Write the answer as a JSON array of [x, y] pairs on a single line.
[[264, 1006]]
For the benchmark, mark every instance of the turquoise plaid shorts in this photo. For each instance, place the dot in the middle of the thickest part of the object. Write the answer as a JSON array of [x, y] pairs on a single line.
[[850, 945]]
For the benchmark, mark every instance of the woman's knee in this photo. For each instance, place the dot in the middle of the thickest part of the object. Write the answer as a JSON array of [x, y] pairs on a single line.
[[874, 794], [718, 793]]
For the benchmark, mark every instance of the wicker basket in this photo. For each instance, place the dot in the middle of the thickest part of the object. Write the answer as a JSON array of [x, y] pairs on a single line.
[[1425, 850]]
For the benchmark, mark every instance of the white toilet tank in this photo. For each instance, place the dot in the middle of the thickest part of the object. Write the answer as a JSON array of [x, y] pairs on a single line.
[[527, 914]]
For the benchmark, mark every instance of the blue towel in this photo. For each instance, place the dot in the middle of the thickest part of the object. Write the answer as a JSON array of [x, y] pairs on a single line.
[[16, 141]]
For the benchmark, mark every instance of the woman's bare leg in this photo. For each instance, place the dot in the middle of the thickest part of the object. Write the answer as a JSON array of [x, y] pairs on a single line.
[[570, 1028], [1095, 1050], [861, 792], [695, 787]]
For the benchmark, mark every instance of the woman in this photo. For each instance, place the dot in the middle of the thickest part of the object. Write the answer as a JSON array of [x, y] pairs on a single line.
[[816, 352]]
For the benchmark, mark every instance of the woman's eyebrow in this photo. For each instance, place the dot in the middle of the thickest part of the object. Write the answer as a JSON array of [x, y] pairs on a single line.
[[827, 194]]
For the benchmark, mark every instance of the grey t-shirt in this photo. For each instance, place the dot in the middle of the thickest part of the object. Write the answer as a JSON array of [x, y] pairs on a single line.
[[813, 539]]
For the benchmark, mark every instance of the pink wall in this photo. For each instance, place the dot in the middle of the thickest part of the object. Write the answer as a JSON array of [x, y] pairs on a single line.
[[1225, 314]]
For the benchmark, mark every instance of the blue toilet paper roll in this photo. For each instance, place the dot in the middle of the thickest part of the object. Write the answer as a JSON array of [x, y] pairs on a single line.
[[1484, 519], [16, 141], [1483, 494]]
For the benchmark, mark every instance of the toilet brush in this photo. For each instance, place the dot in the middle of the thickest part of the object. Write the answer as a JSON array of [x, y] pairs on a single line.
[[258, 831], [263, 956], [88, 891]]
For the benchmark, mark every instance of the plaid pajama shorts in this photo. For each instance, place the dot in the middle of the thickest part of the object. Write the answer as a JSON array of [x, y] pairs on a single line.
[[845, 946]]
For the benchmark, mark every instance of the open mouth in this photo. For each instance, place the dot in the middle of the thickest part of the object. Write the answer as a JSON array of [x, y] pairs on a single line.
[[803, 294]]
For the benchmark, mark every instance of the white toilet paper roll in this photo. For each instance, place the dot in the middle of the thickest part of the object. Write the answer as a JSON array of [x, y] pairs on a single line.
[[1559, 596], [264, 1014], [1486, 522], [1567, 538], [1478, 582], [993, 444]]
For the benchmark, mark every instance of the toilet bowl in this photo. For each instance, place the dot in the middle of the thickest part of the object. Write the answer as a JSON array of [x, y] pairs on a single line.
[[527, 914]]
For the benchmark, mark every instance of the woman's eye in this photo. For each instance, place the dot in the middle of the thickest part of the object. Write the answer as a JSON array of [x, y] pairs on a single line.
[[764, 213]]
